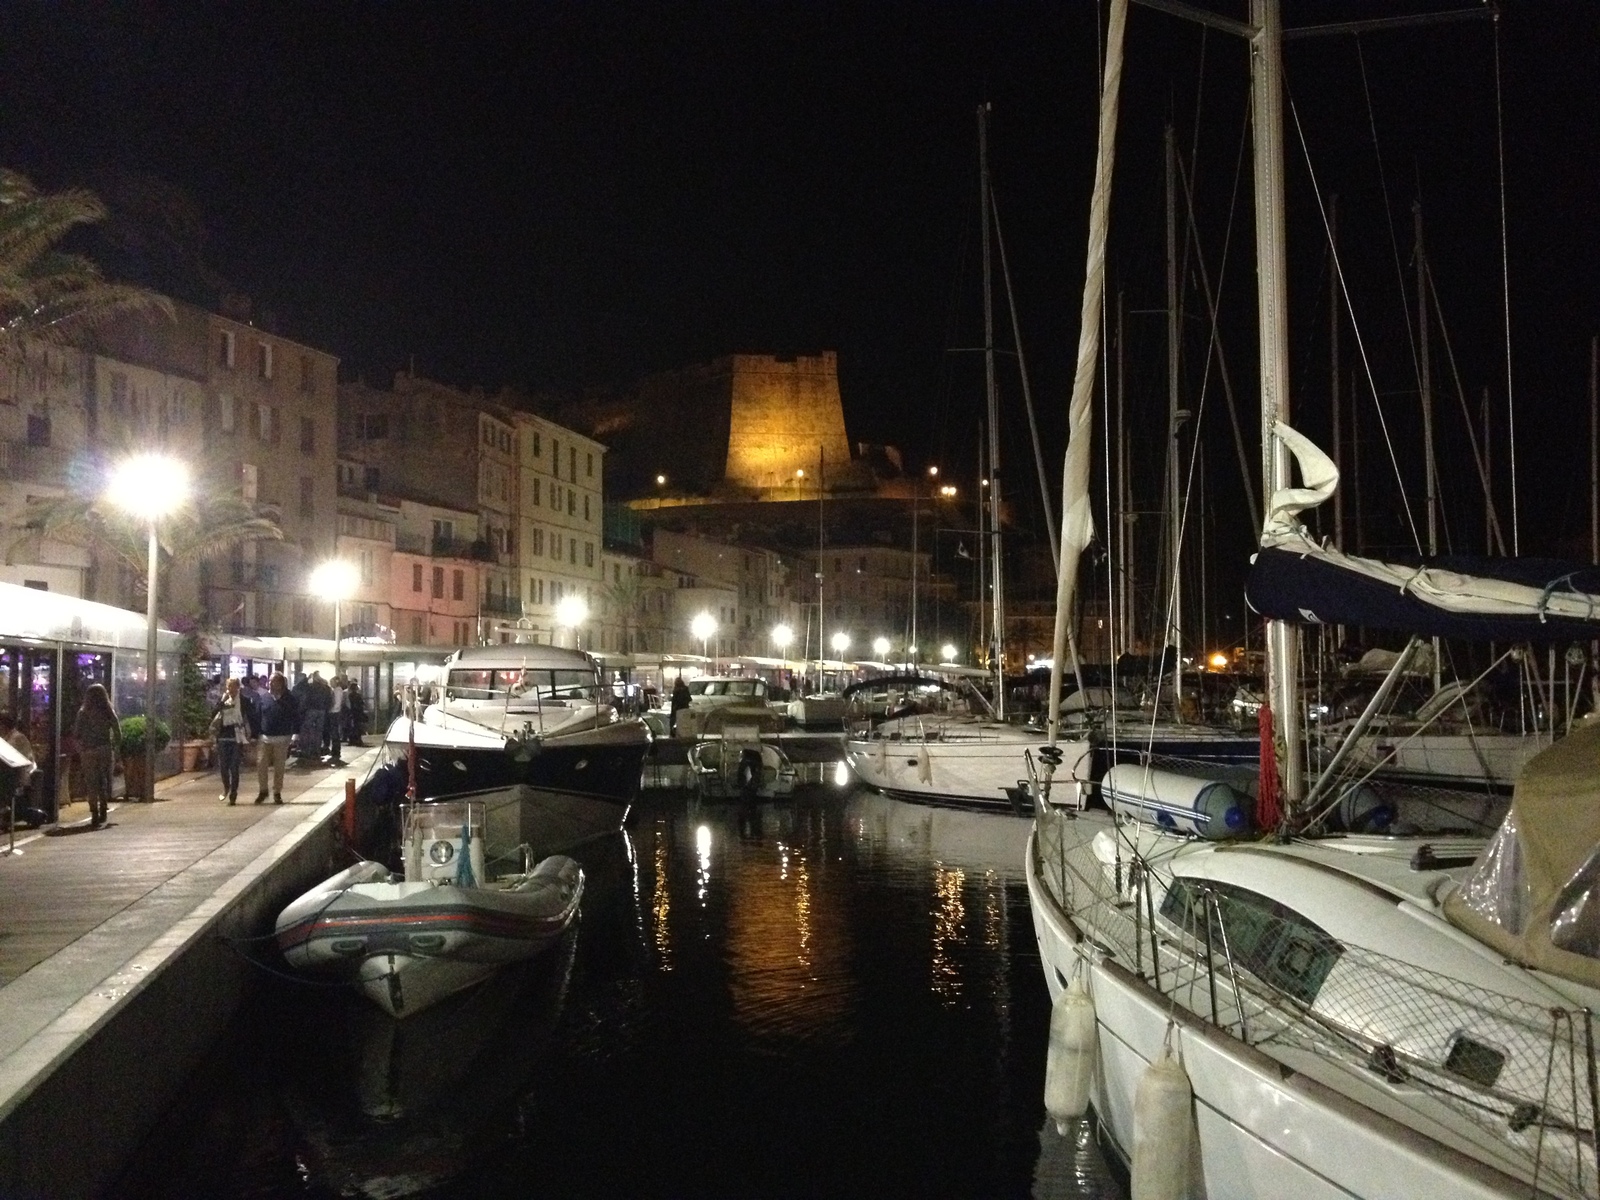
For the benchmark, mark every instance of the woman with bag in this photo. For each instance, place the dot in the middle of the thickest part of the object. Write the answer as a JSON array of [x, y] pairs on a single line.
[[230, 725]]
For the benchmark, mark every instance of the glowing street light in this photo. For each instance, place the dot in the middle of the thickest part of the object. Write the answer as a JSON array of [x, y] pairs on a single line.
[[782, 635], [335, 580], [948, 491], [149, 486], [704, 627], [572, 610], [880, 647], [661, 481], [947, 653], [841, 643]]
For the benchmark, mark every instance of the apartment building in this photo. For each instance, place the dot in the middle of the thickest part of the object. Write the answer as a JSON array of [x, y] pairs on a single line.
[[560, 476], [430, 444], [437, 574], [45, 407], [867, 594]]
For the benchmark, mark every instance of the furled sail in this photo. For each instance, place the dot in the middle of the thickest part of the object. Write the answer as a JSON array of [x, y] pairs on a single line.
[[1295, 578]]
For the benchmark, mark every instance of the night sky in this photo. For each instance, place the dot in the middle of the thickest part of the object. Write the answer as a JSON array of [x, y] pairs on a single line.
[[560, 196]]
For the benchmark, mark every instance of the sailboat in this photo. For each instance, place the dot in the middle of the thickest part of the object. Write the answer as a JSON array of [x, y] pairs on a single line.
[[942, 741], [1359, 1015]]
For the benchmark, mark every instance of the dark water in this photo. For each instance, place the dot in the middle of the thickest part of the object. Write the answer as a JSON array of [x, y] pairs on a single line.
[[838, 995]]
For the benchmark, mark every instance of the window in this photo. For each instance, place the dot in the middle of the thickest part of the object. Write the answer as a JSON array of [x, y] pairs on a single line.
[[538, 541], [38, 431], [308, 436], [572, 463], [416, 577], [536, 493], [369, 479], [541, 591], [572, 503], [264, 361], [374, 426], [505, 441], [555, 458], [369, 567], [308, 374], [572, 550], [458, 585], [538, 444], [37, 585], [266, 423], [1270, 940], [438, 583], [308, 502], [586, 508], [225, 350], [588, 554], [591, 466], [555, 497], [225, 412], [418, 634], [616, 572], [444, 531]]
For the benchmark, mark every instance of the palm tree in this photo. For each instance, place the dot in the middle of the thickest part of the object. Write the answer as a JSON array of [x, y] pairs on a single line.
[[47, 294], [210, 523]]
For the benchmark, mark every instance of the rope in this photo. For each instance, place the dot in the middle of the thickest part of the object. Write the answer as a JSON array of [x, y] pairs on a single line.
[[1355, 325]]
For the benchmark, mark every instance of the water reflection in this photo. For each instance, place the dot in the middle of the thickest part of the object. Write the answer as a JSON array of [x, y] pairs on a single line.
[[1072, 1164], [834, 995]]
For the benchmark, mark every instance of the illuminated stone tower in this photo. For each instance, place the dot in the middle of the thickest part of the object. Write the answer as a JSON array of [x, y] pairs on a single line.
[[784, 414]]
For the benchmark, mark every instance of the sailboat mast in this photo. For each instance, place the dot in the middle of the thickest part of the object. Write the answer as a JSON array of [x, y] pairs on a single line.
[[1266, 89], [1431, 489], [1174, 636], [822, 620], [1124, 518], [996, 557]]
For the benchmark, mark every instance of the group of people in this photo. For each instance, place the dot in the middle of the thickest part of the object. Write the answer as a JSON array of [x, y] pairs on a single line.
[[311, 722]]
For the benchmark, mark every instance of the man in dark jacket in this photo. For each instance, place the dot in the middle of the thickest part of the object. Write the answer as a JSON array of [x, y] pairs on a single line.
[[277, 722], [680, 701]]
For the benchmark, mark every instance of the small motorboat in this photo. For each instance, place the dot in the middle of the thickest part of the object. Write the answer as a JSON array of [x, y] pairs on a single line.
[[442, 926], [739, 765]]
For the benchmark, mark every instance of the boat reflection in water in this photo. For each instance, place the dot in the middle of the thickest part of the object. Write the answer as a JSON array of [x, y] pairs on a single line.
[[390, 1108]]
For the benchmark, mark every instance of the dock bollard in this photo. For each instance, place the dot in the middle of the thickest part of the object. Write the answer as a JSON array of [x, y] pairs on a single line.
[[349, 816]]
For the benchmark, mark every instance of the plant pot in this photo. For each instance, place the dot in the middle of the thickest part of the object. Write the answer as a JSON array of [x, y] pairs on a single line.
[[191, 754], [133, 775]]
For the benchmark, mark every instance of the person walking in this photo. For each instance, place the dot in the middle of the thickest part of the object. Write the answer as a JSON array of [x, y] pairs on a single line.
[[680, 701], [335, 722], [280, 718], [356, 707], [98, 735], [314, 716], [231, 723]]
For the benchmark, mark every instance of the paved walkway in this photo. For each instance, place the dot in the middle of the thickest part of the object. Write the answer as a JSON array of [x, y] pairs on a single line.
[[149, 865]]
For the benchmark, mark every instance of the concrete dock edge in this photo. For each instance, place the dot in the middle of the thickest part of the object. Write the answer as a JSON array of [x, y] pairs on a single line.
[[81, 1095]]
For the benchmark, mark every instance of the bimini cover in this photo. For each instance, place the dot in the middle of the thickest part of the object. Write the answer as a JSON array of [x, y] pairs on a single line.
[[1534, 893], [1294, 578]]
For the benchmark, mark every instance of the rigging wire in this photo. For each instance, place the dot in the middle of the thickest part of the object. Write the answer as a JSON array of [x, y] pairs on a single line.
[[1505, 282], [1361, 343]]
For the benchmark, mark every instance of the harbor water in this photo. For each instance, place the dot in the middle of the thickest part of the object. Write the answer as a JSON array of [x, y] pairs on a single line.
[[833, 995]]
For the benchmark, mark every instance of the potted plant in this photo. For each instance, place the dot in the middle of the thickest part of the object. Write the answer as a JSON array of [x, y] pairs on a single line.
[[133, 750], [194, 713]]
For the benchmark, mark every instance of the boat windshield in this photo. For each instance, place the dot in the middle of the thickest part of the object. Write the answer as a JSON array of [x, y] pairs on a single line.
[[522, 684]]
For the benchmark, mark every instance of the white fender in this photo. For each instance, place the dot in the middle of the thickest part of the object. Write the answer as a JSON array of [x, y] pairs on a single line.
[[1069, 1061], [1163, 1118], [883, 757], [924, 766]]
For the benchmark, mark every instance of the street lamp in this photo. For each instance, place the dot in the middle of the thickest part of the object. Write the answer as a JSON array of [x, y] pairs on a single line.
[[335, 580], [841, 643], [704, 626], [947, 652], [880, 647], [571, 612], [149, 486]]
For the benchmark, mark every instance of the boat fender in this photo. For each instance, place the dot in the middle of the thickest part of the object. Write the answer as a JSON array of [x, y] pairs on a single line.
[[1069, 1061], [1163, 1123], [1364, 810], [924, 766], [883, 756]]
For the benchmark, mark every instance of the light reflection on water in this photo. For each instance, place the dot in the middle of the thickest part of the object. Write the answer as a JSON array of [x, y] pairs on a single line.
[[836, 995]]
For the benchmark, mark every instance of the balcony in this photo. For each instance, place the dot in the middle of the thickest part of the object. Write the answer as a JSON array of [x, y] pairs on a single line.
[[500, 606], [34, 464], [416, 543]]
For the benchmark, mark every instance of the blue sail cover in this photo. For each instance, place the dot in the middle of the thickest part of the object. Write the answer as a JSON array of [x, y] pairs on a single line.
[[1454, 596]]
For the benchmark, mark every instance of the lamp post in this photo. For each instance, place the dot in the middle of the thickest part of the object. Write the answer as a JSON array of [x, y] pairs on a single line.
[[149, 486], [335, 580], [704, 627], [880, 647], [571, 612], [947, 653], [782, 635]]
